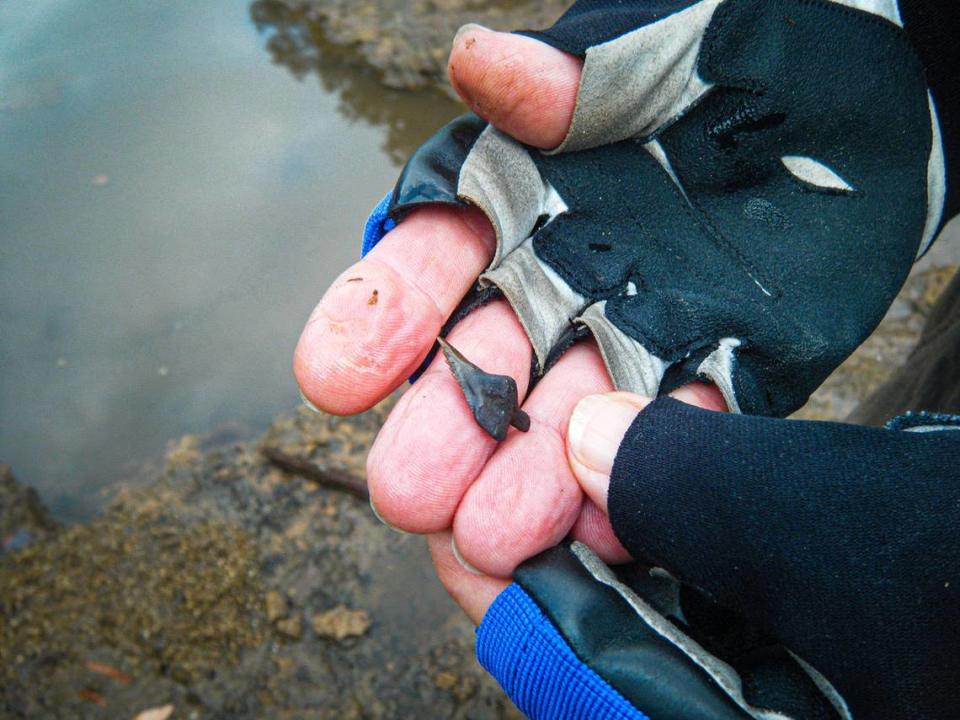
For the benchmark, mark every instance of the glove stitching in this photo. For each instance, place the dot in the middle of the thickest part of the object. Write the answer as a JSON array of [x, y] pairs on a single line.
[[740, 258]]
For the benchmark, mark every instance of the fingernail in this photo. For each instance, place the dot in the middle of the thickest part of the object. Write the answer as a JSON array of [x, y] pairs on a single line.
[[470, 27], [456, 553], [310, 405], [378, 516], [596, 430]]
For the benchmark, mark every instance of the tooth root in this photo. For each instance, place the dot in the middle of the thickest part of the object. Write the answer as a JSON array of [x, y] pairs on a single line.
[[631, 366], [543, 302]]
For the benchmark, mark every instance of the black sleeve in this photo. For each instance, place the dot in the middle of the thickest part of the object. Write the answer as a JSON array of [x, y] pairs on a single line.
[[843, 542]]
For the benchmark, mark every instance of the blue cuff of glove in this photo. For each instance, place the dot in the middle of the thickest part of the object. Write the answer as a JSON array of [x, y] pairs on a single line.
[[378, 225], [521, 648]]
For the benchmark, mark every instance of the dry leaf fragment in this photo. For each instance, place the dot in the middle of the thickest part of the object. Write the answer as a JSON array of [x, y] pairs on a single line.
[[92, 696], [157, 713], [291, 627], [445, 680], [276, 606]]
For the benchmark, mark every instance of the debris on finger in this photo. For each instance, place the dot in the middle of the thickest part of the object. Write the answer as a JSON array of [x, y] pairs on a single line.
[[493, 399]]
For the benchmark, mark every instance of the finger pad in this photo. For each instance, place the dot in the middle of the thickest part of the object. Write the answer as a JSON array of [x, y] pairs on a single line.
[[524, 502], [431, 447], [426, 453], [364, 338], [527, 498]]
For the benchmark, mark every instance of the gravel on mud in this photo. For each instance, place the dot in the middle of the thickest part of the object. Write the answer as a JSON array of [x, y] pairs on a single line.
[[229, 588]]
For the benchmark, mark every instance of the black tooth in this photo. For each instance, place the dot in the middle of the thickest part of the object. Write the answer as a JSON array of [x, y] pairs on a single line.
[[493, 399]]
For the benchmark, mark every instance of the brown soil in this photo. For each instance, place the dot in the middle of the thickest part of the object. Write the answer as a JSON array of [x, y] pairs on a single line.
[[229, 588]]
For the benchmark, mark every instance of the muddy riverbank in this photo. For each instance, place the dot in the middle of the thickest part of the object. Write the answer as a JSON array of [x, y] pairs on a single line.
[[229, 588], [405, 42]]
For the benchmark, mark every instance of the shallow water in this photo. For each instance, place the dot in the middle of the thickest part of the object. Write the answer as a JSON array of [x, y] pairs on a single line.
[[178, 183]]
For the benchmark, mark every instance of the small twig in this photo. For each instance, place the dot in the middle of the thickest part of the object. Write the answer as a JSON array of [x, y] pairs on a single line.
[[328, 477], [109, 671]]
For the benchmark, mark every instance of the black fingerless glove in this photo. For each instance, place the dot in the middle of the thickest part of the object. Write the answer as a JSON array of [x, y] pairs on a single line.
[[840, 541], [742, 192]]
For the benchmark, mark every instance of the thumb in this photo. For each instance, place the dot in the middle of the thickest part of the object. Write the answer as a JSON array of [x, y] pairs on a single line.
[[599, 423], [596, 429]]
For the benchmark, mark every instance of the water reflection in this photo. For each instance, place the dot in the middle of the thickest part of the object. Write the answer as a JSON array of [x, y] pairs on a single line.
[[171, 207], [300, 46]]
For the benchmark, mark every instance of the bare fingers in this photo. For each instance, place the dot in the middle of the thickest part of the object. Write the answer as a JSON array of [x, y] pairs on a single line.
[[527, 498], [379, 319], [431, 449]]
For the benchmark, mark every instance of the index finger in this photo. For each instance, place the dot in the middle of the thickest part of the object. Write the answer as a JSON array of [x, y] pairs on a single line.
[[379, 319]]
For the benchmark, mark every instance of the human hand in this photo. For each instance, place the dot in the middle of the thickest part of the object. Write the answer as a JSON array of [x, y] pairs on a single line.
[[347, 359], [741, 206], [432, 469], [814, 560]]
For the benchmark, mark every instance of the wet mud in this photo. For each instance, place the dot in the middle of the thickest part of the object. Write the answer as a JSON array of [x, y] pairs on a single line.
[[230, 588]]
